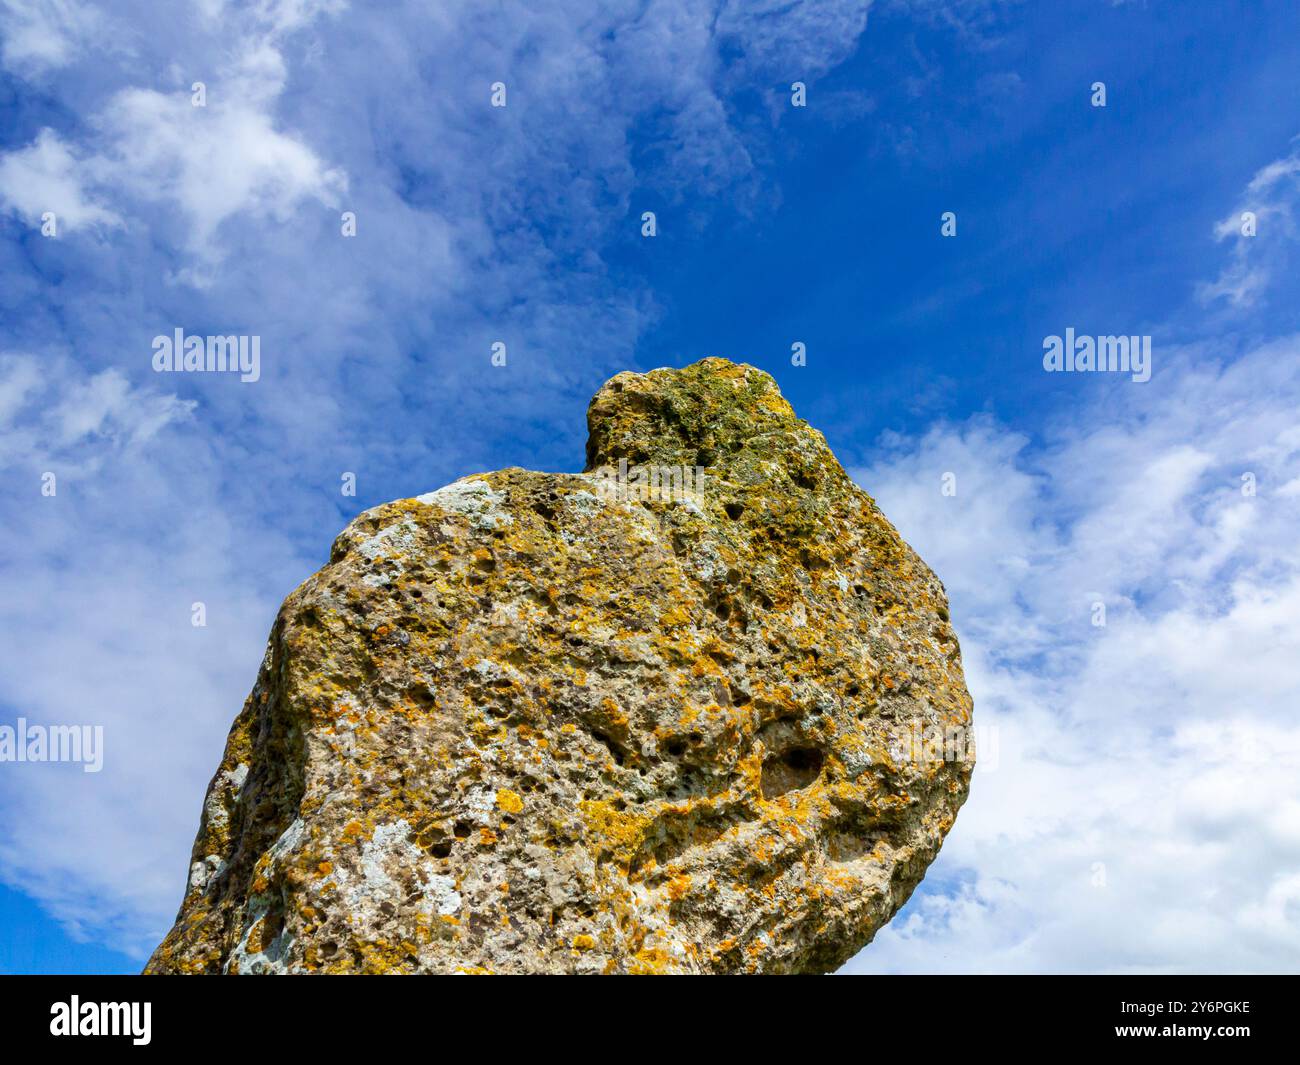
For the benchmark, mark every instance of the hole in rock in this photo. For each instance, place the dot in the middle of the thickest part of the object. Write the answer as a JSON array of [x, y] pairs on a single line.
[[615, 751], [272, 925], [790, 770]]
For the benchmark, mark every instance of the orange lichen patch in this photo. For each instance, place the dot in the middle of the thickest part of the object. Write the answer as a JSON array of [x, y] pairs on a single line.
[[675, 617], [650, 961], [583, 942], [613, 834], [508, 801]]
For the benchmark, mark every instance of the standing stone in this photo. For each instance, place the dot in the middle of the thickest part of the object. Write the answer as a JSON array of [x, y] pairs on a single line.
[[683, 712]]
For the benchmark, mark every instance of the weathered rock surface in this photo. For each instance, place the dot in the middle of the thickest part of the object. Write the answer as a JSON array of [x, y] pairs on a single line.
[[521, 724]]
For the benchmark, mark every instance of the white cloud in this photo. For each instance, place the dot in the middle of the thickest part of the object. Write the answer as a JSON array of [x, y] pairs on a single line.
[[48, 410], [1157, 754], [99, 579], [208, 164], [40, 34], [1271, 197], [46, 176], [19, 378], [213, 162], [791, 41]]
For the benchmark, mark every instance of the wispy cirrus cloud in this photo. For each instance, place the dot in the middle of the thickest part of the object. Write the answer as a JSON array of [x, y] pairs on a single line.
[[1263, 231]]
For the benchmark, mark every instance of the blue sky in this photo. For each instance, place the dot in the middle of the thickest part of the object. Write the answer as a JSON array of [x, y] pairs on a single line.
[[1136, 809]]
